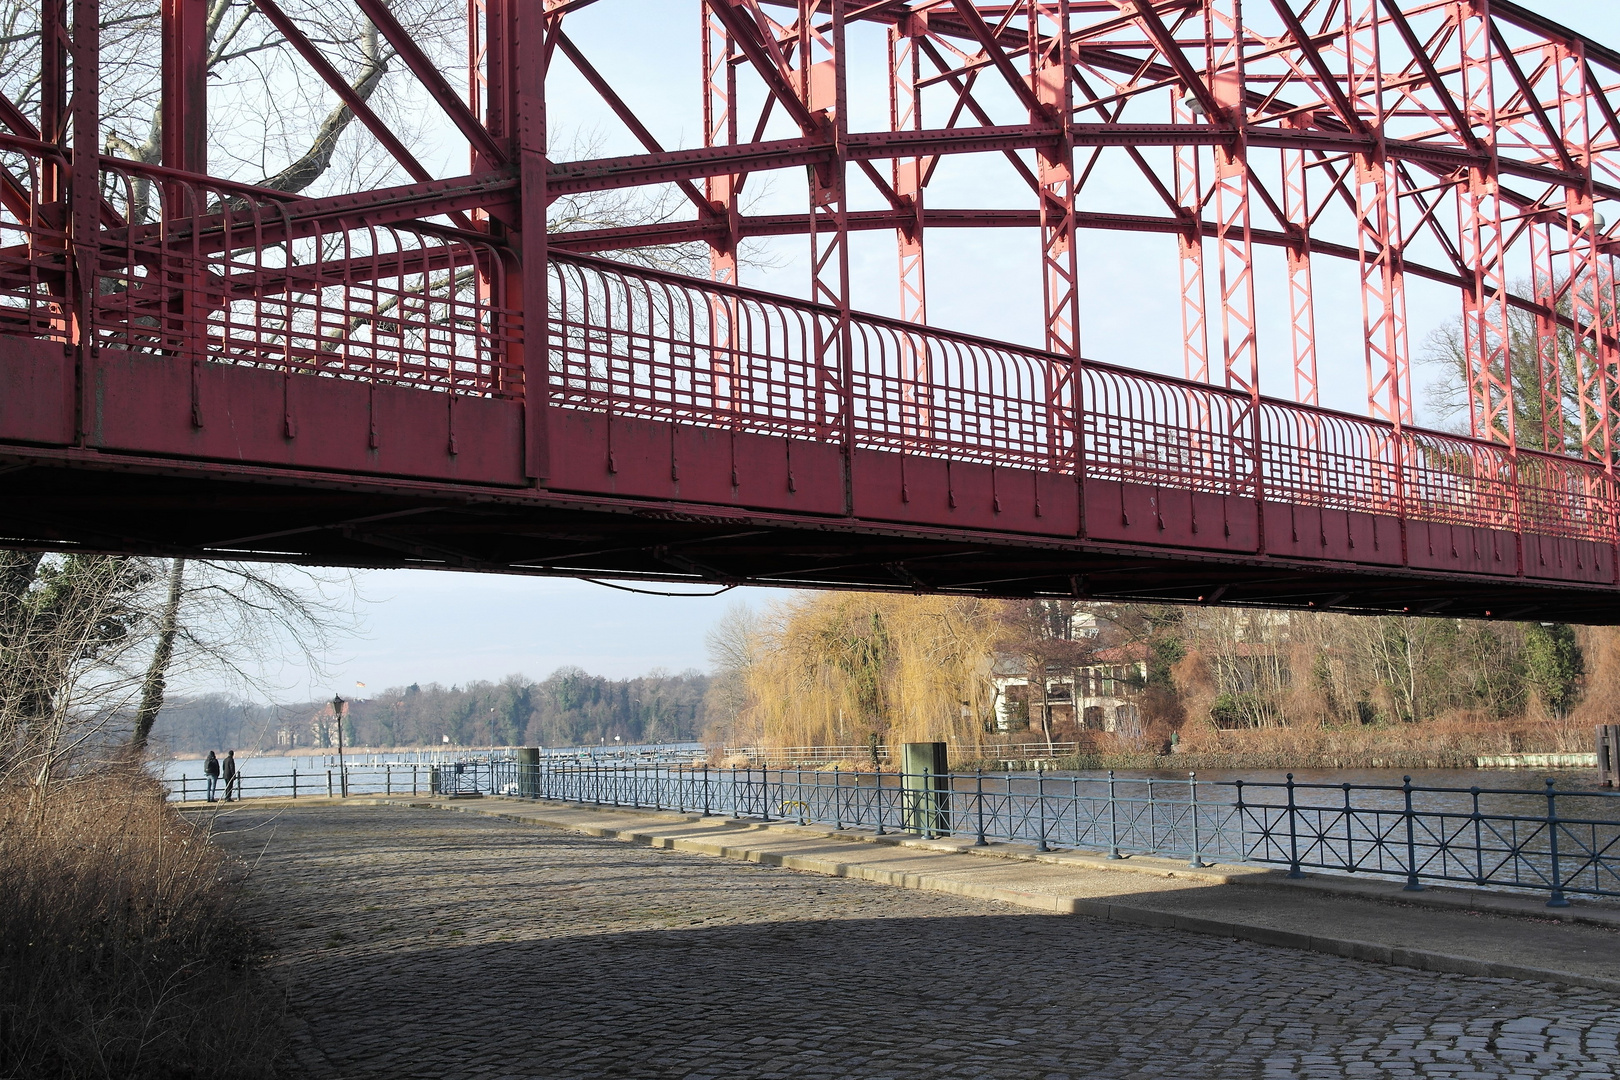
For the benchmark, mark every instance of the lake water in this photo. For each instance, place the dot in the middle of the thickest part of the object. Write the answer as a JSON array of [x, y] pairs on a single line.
[[372, 772]]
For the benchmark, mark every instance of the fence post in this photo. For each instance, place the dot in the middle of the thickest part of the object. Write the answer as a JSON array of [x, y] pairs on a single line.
[[838, 803], [1040, 807], [1243, 827], [765, 792], [1197, 861], [1113, 820], [295, 781], [184, 796], [388, 779], [1558, 898], [978, 805], [736, 810], [1412, 882], [705, 789], [329, 788], [877, 791], [1293, 831]]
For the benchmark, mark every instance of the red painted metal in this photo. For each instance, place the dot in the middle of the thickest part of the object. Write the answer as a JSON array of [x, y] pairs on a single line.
[[437, 330]]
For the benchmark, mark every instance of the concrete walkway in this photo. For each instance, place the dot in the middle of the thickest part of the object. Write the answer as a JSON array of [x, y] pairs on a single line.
[[1452, 930]]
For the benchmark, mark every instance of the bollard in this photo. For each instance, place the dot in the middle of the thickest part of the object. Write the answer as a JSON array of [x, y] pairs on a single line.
[[528, 770], [925, 780], [1608, 754]]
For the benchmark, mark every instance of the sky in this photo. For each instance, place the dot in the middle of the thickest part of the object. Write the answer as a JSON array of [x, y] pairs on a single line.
[[451, 628]]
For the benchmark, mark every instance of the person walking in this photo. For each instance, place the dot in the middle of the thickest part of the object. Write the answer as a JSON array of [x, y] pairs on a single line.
[[227, 771], [211, 770]]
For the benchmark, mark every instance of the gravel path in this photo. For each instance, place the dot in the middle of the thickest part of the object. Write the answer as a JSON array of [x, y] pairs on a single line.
[[423, 944]]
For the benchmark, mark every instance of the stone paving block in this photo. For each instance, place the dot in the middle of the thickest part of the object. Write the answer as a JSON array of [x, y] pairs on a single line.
[[423, 945]]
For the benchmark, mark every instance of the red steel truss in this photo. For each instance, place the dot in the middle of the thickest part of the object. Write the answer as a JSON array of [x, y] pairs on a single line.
[[428, 374]]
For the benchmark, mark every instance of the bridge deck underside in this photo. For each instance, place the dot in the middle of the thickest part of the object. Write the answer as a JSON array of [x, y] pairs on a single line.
[[165, 508]]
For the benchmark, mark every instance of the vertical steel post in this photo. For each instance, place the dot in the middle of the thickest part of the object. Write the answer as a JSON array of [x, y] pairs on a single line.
[[1040, 807], [1050, 54], [1479, 846], [1293, 832], [1383, 283], [720, 129], [1558, 899], [838, 804], [1549, 360], [1113, 819], [1190, 245], [877, 796], [1486, 335], [705, 789], [1301, 302], [1412, 882], [978, 803], [1197, 860], [85, 192], [905, 114], [184, 105]]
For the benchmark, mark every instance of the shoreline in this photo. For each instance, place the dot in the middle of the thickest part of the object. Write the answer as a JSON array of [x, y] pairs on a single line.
[[1272, 761]]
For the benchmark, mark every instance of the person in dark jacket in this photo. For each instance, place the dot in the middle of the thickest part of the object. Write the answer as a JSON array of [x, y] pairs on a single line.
[[211, 770], [227, 771]]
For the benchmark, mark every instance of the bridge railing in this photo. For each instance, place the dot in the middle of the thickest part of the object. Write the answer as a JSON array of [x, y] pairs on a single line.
[[34, 299], [228, 273], [222, 272], [645, 343], [1548, 841]]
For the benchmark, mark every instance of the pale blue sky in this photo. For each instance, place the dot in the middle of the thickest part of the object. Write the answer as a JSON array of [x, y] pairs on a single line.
[[429, 626]]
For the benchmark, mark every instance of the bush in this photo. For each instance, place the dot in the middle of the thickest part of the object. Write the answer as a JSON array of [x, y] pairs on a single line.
[[121, 950]]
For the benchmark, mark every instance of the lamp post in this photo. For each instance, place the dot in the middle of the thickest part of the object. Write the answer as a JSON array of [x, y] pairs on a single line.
[[337, 711]]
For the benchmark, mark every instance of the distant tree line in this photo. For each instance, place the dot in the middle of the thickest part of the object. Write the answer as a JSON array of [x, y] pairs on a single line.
[[838, 668], [571, 707]]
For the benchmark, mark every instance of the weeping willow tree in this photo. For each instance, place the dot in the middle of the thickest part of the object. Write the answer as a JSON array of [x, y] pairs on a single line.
[[835, 669]]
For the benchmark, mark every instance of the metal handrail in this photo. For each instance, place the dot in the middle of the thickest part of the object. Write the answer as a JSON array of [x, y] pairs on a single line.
[[1549, 841]]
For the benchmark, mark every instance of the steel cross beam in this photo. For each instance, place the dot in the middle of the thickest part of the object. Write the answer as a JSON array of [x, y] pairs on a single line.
[[1469, 143]]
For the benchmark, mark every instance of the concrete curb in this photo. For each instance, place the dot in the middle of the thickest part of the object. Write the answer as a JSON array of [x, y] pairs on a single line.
[[1425, 960]]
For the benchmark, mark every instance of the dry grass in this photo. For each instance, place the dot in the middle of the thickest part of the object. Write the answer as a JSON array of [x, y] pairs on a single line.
[[121, 952]]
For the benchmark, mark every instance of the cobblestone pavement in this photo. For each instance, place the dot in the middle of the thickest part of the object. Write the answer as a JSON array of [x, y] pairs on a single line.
[[442, 946]]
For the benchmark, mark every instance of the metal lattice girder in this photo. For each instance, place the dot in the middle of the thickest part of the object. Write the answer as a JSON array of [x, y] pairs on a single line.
[[1470, 143]]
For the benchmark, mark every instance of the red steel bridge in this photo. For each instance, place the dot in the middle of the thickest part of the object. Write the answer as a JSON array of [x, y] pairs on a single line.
[[424, 375]]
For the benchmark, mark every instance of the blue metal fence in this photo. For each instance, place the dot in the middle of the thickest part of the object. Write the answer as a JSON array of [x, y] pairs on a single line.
[[1555, 842]]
